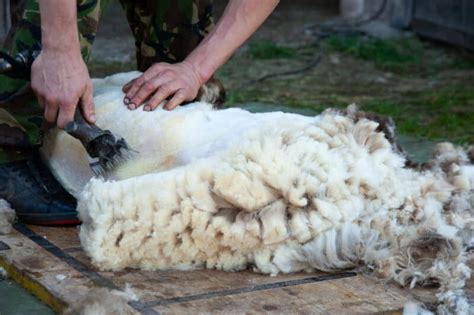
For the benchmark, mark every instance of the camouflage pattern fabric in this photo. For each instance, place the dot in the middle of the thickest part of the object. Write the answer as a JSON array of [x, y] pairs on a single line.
[[21, 118], [164, 30], [167, 30]]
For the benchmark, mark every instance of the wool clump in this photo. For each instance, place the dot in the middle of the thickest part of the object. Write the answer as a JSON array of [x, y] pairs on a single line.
[[274, 192], [102, 301], [7, 217]]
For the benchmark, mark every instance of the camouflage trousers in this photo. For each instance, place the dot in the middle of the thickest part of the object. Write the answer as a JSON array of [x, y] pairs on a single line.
[[164, 31]]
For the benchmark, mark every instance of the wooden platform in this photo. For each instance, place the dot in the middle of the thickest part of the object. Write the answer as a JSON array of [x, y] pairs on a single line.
[[35, 256]]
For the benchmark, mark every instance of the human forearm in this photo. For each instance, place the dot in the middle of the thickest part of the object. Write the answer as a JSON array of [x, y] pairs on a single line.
[[239, 21], [59, 30], [59, 76], [180, 82]]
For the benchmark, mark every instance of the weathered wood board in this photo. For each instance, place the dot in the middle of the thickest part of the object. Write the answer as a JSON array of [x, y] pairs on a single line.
[[34, 256], [447, 20], [4, 18]]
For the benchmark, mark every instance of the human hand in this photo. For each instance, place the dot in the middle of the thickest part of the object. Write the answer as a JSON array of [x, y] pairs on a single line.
[[61, 81], [161, 81]]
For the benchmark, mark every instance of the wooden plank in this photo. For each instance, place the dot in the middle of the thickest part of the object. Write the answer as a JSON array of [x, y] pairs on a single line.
[[397, 13], [4, 18], [39, 254], [447, 20], [64, 238], [468, 14], [442, 12], [344, 296], [36, 270], [439, 32], [154, 285]]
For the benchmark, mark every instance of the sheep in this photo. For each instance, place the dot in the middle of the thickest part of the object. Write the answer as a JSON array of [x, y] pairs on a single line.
[[275, 192]]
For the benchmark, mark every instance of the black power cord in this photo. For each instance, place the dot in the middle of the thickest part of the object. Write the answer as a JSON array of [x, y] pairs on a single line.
[[324, 31]]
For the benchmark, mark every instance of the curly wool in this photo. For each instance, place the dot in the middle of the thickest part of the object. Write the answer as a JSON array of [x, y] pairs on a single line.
[[276, 192], [7, 217], [102, 301]]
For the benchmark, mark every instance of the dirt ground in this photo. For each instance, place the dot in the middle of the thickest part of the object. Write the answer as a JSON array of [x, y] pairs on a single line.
[[427, 87]]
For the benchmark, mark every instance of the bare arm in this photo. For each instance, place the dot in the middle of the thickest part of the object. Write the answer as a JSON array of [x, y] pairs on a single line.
[[59, 75], [240, 20]]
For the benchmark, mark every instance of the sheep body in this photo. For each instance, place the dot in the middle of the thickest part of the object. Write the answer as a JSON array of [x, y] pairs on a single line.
[[275, 192]]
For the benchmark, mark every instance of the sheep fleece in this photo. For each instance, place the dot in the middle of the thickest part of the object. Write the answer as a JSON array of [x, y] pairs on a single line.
[[276, 192]]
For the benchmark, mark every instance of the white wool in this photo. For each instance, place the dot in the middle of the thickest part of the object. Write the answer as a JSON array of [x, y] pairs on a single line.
[[7, 217], [3, 274], [278, 192], [165, 140], [102, 301], [194, 221], [412, 308]]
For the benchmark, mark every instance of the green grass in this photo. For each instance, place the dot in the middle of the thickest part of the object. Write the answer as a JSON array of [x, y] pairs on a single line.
[[405, 55], [392, 55], [445, 114], [436, 114], [235, 97], [464, 62], [100, 69], [270, 50]]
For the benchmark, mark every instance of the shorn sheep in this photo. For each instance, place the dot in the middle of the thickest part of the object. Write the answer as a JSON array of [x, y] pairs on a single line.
[[275, 192]]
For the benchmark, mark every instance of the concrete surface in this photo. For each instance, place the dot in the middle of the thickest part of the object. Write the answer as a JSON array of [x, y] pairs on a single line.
[[14, 300]]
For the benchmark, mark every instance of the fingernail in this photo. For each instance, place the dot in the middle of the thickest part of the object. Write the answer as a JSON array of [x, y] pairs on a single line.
[[147, 108], [126, 101], [132, 106]]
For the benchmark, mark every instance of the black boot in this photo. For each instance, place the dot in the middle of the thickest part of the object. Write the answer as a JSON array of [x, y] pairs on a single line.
[[35, 194]]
